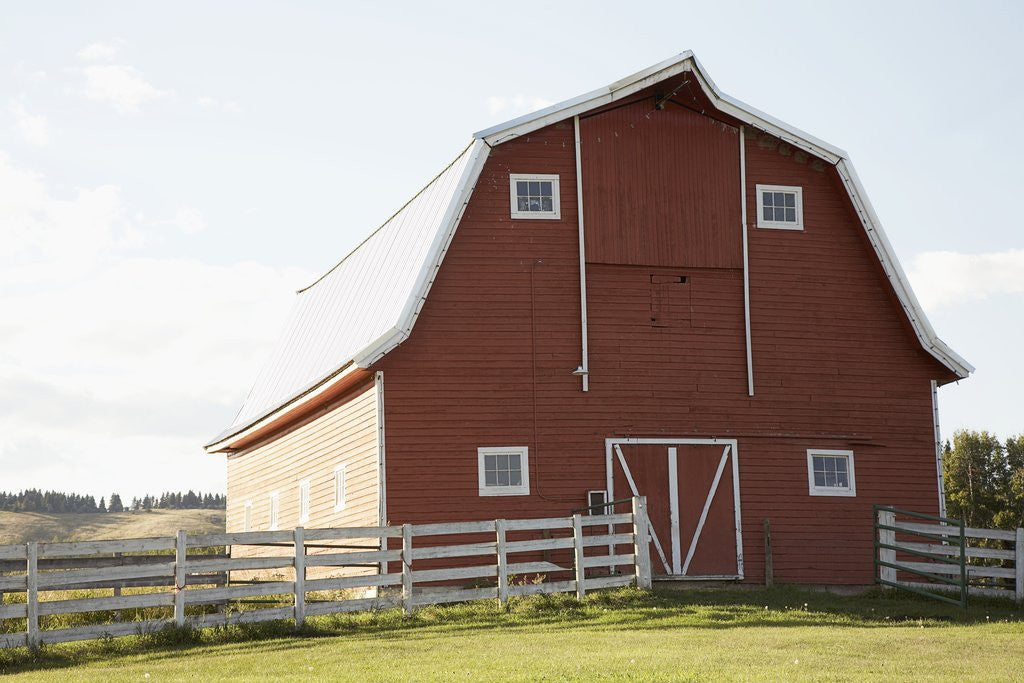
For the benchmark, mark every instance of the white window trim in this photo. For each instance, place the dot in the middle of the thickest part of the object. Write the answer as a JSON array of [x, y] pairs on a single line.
[[339, 501], [247, 515], [524, 459], [275, 510], [780, 225], [304, 496], [850, 491], [556, 204]]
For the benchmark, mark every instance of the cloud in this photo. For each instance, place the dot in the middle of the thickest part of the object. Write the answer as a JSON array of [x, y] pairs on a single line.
[[214, 104], [944, 278], [116, 363], [121, 86], [189, 221], [98, 52], [515, 105], [33, 128]]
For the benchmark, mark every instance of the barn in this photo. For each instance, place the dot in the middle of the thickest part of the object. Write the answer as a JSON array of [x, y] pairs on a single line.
[[649, 289]]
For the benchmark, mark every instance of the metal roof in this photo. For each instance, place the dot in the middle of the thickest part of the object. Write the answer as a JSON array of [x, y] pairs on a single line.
[[367, 304]]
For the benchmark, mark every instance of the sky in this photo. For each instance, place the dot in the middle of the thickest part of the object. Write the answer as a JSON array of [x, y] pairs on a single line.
[[171, 173]]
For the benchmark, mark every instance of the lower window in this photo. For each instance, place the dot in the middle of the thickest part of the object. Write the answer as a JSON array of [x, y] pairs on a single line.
[[504, 471], [830, 473]]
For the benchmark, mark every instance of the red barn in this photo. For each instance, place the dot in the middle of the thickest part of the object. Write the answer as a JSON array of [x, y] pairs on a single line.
[[651, 288]]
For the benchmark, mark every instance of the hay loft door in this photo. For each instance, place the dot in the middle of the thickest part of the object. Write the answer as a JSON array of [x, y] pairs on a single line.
[[693, 502]]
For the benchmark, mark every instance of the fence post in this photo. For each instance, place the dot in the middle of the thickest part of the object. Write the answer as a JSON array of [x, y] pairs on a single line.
[[581, 573], [32, 595], [641, 543], [1018, 566], [888, 537], [407, 569], [300, 576], [499, 528], [179, 579]]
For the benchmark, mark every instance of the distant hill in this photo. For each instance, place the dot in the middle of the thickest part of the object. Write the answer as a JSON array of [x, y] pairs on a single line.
[[22, 527]]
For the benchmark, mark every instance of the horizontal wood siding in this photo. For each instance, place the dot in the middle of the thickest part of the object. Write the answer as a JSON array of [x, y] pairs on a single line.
[[643, 169], [344, 433]]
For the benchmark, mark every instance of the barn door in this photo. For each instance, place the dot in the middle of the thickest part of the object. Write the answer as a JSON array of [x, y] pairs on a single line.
[[692, 501]]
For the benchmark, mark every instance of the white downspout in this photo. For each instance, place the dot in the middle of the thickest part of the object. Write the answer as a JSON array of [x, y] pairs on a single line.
[[938, 449], [746, 275], [584, 369]]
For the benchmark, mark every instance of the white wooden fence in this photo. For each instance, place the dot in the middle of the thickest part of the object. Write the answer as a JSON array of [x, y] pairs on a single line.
[[983, 575], [414, 565]]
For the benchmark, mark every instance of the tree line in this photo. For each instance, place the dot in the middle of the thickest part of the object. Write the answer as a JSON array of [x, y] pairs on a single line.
[[34, 500], [984, 479]]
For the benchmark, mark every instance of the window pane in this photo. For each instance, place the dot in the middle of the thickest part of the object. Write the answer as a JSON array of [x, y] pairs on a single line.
[[515, 478], [502, 462], [841, 464], [791, 215], [514, 461], [545, 188], [546, 204], [780, 214], [491, 478], [842, 480], [522, 188], [490, 463], [535, 204], [766, 198], [523, 203], [790, 199], [779, 199], [830, 465], [819, 478], [768, 213], [534, 188], [502, 477]]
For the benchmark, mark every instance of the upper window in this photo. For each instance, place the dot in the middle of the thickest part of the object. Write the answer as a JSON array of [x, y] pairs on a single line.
[[274, 505], [504, 471], [535, 196], [303, 501], [830, 473], [339, 488], [780, 206]]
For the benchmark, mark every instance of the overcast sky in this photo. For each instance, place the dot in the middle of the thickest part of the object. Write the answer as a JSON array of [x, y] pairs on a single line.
[[170, 174]]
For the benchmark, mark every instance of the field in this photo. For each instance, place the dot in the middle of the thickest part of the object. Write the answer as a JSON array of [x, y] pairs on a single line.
[[774, 634], [22, 527]]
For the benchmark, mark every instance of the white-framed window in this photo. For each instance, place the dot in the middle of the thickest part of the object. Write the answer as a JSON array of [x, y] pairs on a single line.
[[303, 501], [780, 207], [247, 516], [830, 473], [339, 488], [275, 505], [504, 470], [597, 503], [534, 196]]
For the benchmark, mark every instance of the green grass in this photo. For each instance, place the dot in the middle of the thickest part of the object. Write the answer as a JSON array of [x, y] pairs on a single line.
[[777, 634], [22, 527]]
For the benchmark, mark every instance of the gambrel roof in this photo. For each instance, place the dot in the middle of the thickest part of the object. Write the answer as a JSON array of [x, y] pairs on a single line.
[[367, 304]]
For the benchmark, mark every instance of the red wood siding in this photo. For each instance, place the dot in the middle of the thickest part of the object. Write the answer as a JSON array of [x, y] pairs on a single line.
[[490, 359], [643, 168]]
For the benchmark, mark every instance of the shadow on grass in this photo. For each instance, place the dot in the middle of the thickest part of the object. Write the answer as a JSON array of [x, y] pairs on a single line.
[[626, 609]]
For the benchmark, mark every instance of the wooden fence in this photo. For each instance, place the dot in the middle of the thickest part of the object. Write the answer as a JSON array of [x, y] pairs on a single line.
[[405, 566], [993, 559]]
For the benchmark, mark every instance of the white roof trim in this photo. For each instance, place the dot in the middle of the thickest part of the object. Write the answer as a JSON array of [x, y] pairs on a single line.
[[686, 61]]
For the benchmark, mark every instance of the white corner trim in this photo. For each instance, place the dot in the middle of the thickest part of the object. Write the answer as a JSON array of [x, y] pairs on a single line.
[[796, 190], [556, 194], [275, 510], [524, 460], [847, 491], [939, 469]]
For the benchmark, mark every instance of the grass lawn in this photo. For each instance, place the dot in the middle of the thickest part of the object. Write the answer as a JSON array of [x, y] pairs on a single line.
[[774, 634], [22, 527]]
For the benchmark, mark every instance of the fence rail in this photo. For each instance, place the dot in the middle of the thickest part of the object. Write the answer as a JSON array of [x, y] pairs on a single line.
[[945, 555], [412, 566]]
